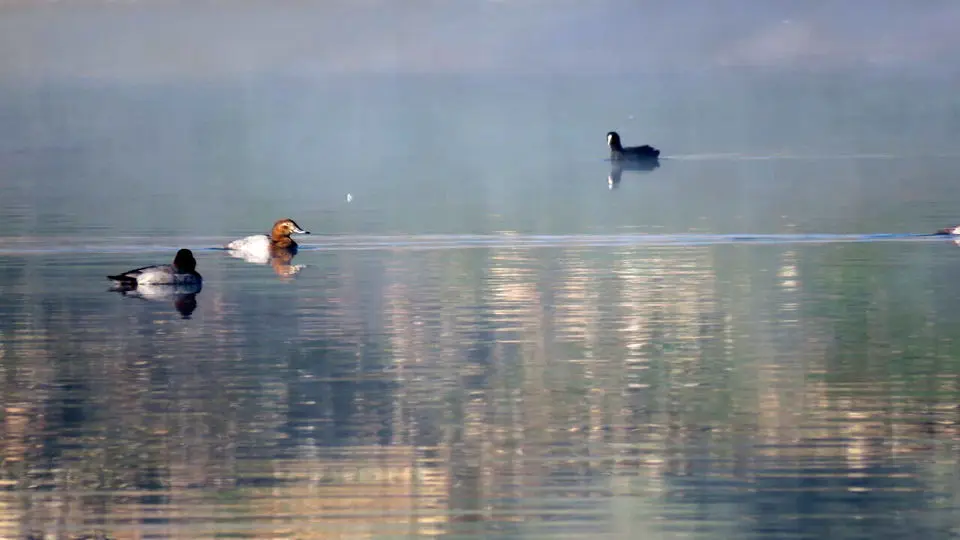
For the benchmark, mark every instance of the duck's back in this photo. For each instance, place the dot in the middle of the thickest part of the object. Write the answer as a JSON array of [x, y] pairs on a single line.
[[130, 277], [645, 151], [254, 243], [163, 274]]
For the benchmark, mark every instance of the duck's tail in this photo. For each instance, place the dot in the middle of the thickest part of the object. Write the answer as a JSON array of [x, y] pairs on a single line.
[[124, 281]]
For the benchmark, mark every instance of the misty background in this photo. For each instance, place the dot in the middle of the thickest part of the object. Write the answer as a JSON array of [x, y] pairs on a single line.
[[738, 389], [470, 111], [131, 40]]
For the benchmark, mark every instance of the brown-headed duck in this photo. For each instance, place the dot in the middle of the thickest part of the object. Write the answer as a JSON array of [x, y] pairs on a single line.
[[264, 246]]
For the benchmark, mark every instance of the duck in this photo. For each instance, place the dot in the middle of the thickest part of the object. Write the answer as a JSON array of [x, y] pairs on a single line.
[[182, 272], [619, 153], [949, 231], [262, 247]]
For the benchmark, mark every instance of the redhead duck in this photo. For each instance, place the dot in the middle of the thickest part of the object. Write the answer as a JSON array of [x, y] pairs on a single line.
[[183, 272], [949, 231], [263, 246], [619, 153]]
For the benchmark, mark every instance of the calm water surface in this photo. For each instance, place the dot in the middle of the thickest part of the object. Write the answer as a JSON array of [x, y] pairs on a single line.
[[488, 340]]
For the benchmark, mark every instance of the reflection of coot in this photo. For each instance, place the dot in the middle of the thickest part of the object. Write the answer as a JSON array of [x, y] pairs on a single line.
[[619, 153], [616, 171]]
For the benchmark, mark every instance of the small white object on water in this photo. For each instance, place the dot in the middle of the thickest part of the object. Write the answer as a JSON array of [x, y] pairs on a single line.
[[349, 197]]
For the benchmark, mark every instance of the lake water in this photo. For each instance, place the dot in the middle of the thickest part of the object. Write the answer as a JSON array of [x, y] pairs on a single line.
[[488, 340]]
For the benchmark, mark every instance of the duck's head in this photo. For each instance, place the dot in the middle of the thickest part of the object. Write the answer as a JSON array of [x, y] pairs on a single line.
[[184, 261], [613, 140], [283, 228]]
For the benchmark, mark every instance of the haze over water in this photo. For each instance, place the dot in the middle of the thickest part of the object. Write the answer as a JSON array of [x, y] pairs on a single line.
[[488, 339]]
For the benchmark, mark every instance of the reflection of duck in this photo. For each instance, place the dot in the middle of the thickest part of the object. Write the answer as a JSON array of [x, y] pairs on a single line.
[[282, 266], [184, 297], [616, 171], [279, 259], [632, 153], [953, 232]]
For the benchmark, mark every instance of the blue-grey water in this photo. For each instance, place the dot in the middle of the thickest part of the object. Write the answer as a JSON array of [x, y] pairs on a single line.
[[484, 337]]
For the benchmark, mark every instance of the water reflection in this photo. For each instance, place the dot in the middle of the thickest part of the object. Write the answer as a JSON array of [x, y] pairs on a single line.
[[281, 260], [183, 297], [738, 391], [640, 166]]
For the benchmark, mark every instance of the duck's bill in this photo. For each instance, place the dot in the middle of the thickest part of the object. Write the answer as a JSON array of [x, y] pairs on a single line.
[[298, 230]]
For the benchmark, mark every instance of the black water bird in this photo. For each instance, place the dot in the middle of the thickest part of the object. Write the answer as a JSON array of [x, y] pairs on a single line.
[[632, 153]]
